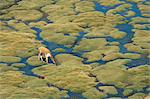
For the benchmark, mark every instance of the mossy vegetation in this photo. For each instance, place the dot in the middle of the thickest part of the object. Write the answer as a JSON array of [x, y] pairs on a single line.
[[33, 4], [5, 4], [18, 65], [20, 26], [68, 76], [9, 59], [144, 9], [135, 1], [16, 86], [127, 92], [112, 56], [110, 3], [85, 6], [70, 59], [120, 9], [140, 42], [108, 89], [4, 67], [94, 57], [124, 78], [91, 44], [24, 15], [59, 50], [18, 44], [137, 96], [33, 61], [93, 93], [57, 11]]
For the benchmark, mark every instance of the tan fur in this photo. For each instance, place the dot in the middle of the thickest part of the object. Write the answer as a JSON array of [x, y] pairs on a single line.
[[43, 50], [45, 53]]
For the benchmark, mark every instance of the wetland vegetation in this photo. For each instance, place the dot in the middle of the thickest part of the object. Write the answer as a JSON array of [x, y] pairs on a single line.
[[102, 48]]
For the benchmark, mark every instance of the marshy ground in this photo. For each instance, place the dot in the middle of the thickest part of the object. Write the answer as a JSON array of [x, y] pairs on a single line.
[[102, 48]]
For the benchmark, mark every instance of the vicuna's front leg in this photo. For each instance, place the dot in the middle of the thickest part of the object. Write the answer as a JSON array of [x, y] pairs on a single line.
[[52, 59], [46, 58]]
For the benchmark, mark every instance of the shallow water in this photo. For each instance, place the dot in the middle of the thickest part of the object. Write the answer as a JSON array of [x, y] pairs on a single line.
[[126, 27]]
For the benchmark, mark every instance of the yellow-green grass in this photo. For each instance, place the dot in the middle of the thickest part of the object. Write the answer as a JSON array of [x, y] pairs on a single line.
[[18, 44]]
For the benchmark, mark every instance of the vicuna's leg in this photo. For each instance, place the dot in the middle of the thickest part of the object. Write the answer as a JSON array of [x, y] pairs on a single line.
[[46, 58], [49, 55], [39, 56], [52, 59]]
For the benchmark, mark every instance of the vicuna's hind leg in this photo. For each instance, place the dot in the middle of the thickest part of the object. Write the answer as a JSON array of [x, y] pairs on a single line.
[[39, 56]]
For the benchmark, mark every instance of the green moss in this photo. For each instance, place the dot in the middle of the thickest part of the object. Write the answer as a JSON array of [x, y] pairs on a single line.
[[139, 20], [108, 89], [114, 43], [115, 98], [100, 31], [18, 44], [58, 38], [73, 77], [68, 58], [34, 4], [65, 19], [139, 77], [133, 79], [135, 1], [34, 83], [137, 96], [127, 92], [4, 3], [69, 28], [5, 67], [59, 50], [105, 73], [85, 6], [140, 26], [144, 9], [132, 47], [16, 86], [92, 44], [38, 24], [3, 26], [110, 3], [140, 42], [117, 34], [148, 89], [34, 61], [52, 33], [121, 8], [131, 56], [110, 52], [93, 56], [90, 19], [24, 15], [93, 94], [57, 11], [9, 59], [112, 56], [130, 14], [18, 65], [68, 4], [20, 26], [12, 78], [38, 92]]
